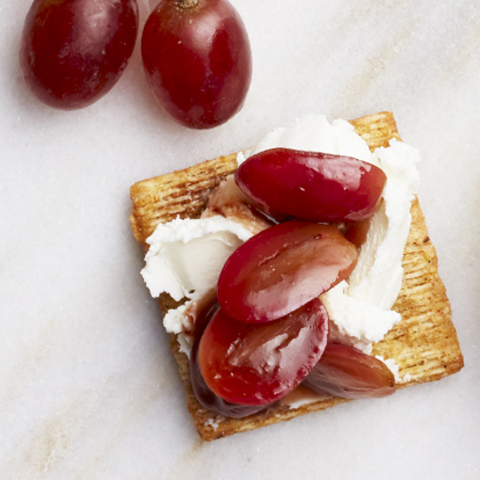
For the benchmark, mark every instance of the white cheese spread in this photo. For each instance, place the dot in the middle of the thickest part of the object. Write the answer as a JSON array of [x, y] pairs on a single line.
[[185, 259], [186, 256], [315, 133]]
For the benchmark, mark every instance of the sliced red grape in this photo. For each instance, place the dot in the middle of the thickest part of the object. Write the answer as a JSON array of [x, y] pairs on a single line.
[[197, 60], [204, 395], [74, 51], [282, 268], [347, 372], [258, 364], [312, 186]]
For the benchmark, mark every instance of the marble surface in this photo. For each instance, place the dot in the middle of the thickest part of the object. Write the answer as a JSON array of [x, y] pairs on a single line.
[[88, 389]]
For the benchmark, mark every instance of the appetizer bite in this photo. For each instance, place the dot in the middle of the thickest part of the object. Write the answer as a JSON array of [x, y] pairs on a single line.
[[296, 275]]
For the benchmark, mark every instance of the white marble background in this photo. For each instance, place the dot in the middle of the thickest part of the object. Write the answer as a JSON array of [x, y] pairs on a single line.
[[87, 387]]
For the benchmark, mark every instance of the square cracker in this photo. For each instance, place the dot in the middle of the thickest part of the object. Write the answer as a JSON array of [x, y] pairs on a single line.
[[424, 344]]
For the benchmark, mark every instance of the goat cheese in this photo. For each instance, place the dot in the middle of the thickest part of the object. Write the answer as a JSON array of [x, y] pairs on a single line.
[[185, 259]]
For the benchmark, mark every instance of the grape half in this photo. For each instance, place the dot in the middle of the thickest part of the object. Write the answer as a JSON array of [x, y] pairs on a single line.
[[282, 268], [204, 395], [347, 372], [312, 186], [74, 51], [258, 364], [197, 60]]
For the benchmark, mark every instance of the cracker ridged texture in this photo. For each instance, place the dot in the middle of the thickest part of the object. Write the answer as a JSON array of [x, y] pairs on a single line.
[[424, 344]]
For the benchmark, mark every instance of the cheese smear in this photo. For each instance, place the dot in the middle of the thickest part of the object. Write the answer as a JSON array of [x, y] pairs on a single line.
[[185, 259], [186, 256]]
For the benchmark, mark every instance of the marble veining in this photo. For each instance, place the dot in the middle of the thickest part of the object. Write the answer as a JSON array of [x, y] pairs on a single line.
[[88, 389]]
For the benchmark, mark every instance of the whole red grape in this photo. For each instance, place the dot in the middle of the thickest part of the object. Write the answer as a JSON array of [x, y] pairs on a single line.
[[74, 51], [197, 60]]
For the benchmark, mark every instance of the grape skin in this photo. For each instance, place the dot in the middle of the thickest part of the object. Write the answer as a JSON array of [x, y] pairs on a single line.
[[74, 51], [197, 61], [282, 268], [204, 395]]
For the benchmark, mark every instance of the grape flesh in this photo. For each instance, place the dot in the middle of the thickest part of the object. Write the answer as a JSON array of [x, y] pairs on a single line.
[[74, 51], [282, 268], [312, 186], [258, 364], [197, 60], [347, 372]]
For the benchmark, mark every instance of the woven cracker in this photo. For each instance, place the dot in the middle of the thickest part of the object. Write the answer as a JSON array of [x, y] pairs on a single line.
[[424, 344]]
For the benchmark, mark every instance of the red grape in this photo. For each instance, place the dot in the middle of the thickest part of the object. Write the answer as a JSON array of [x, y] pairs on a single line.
[[197, 60], [74, 51], [201, 390], [282, 268], [312, 186], [346, 372], [258, 364]]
